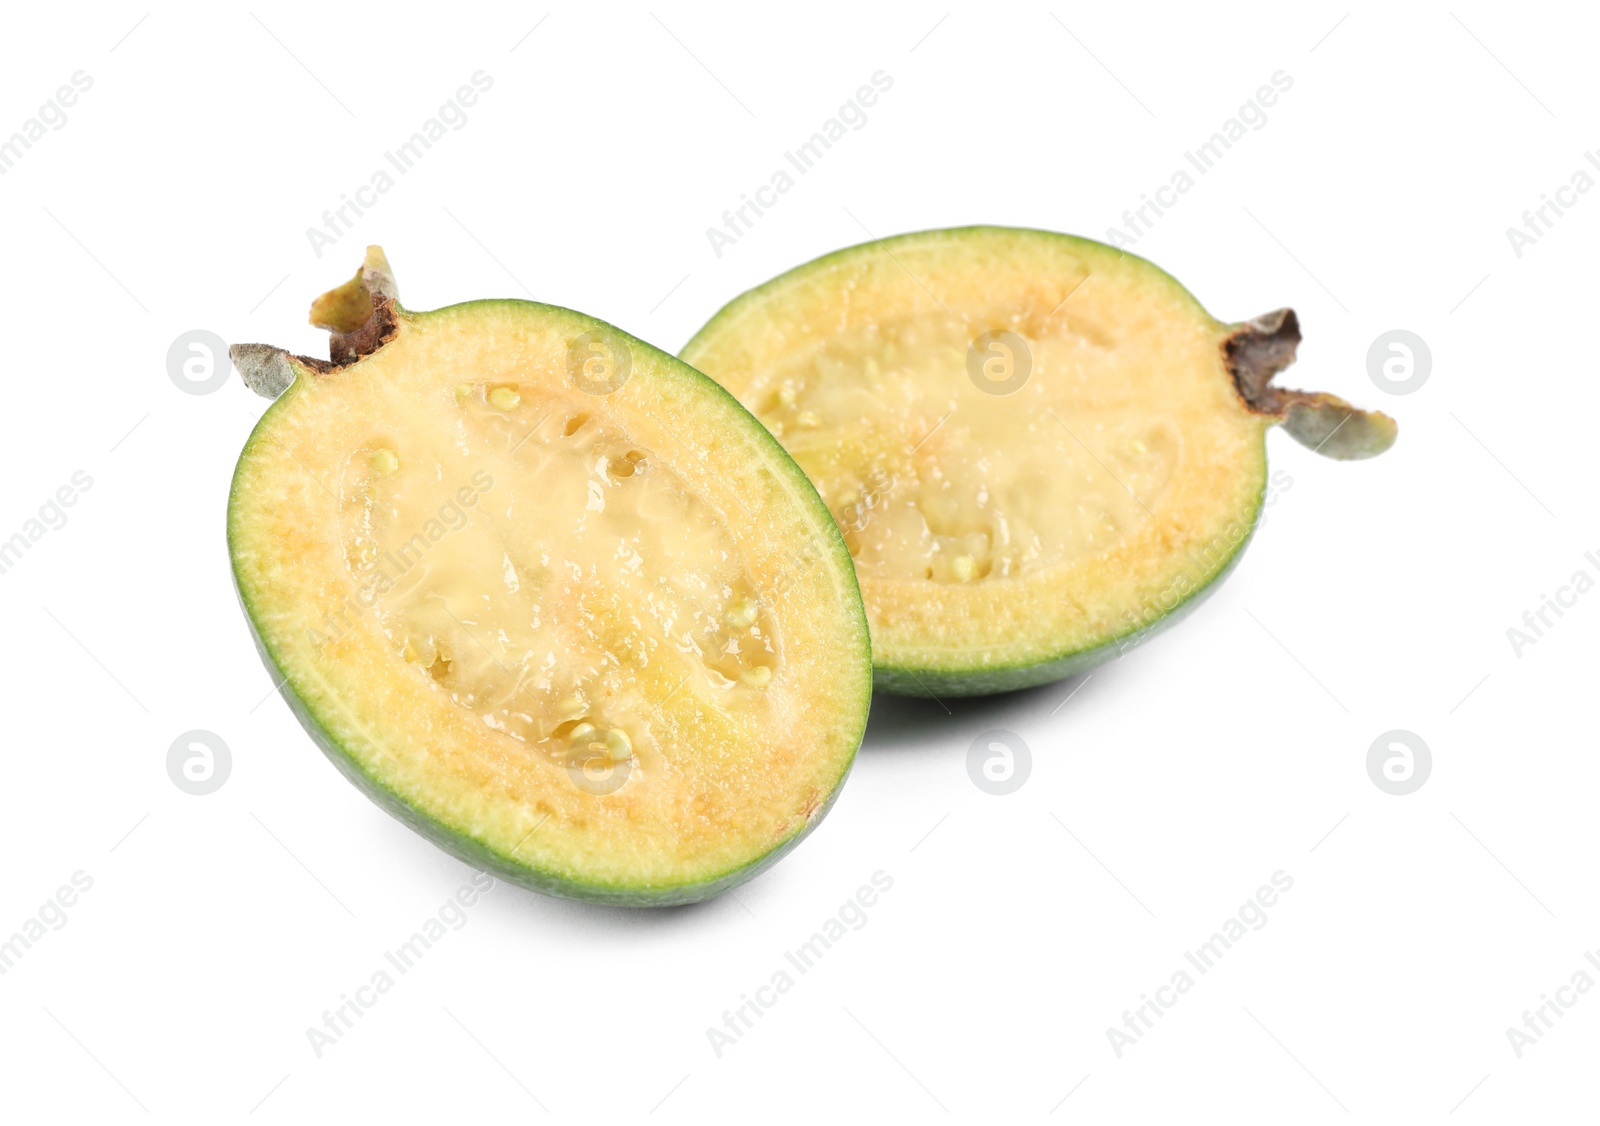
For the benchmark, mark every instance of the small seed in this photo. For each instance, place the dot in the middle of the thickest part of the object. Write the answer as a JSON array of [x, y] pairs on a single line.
[[626, 465], [758, 677], [385, 461], [963, 567], [809, 420], [618, 745], [786, 394], [742, 614], [582, 733], [463, 392], [504, 398]]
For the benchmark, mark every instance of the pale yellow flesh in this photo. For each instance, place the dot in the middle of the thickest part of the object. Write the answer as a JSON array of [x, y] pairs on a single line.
[[991, 530], [483, 578], [531, 558]]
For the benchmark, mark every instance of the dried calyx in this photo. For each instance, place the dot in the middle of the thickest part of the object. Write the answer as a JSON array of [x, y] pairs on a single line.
[[1263, 347], [360, 315]]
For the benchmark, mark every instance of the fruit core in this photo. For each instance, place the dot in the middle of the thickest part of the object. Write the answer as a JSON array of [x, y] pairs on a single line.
[[539, 587], [992, 444]]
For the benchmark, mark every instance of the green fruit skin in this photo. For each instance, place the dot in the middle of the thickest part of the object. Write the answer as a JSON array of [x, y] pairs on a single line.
[[928, 683], [473, 852]]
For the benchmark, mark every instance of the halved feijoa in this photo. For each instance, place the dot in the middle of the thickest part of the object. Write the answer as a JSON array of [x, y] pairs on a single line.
[[1039, 448], [549, 595]]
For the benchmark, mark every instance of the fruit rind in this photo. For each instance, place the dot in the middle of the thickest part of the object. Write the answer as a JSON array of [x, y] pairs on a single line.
[[993, 680]]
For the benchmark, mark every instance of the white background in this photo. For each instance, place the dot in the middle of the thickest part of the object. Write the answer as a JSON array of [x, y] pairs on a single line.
[[1019, 928]]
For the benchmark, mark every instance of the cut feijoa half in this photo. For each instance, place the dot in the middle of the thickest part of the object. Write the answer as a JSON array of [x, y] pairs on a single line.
[[549, 595], [1038, 448]]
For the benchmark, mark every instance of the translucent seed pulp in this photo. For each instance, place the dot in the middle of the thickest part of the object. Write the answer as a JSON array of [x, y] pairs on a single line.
[[929, 478], [556, 581]]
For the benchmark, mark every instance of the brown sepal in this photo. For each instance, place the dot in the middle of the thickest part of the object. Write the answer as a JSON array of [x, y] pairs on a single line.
[[362, 315], [1259, 349]]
